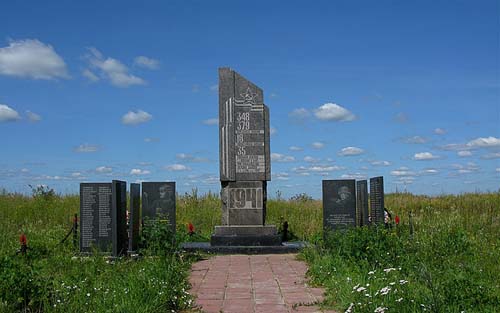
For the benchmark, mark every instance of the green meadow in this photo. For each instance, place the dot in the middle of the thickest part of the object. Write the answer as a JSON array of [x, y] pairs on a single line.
[[449, 264]]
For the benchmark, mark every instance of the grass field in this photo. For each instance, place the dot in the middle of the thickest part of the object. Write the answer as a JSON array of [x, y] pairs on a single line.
[[450, 264]]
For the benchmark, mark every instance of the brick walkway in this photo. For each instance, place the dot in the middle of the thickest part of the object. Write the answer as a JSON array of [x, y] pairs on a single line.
[[253, 283]]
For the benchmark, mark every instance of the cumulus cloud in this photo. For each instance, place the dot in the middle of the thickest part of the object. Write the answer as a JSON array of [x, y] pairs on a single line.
[[318, 145], [333, 112], [403, 171], [429, 171], [299, 115], [460, 169], [138, 172], [190, 158], [90, 75], [464, 153], [277, 157], [151, 139], [33, 59], [148, 63], [273, 131], [295, 148], [487, 142], [414, 140], [87, 148], [33, 117], [211, 121], [103, 169], [310, 159], [7, 114], [317, 168], [214, 87], [281, 176], [177, 167], [113, 70], [498, 169], [489, 156], [380, 163], [424, 156], [353, 176], [439, 131], [134, 118], [351, 151]]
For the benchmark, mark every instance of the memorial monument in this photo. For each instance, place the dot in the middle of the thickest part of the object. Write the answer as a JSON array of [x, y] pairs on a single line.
[[103, 221], [377, 200], [245, 164], [339, 204], [158, 202], [362, 202]]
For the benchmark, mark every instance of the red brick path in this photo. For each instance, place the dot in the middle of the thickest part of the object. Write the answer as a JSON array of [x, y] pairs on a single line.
[[253, 283]]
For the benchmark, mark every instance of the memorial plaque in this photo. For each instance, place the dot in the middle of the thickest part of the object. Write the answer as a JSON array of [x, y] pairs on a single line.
[[339, 204], [158, 201], [377, 199], [243, 128], [134, 216], [95, 217], [243, 203], [362, 202], [119, 217]]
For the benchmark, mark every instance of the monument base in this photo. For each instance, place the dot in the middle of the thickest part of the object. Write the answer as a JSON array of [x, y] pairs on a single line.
[[206, 247], [245, 235]]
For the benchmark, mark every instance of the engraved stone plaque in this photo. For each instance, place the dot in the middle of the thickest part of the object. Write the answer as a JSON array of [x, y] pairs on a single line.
[[377, 200], [158, 201], [243, 203], [243, 129], [134, 216], [362, 202], [339, 204]]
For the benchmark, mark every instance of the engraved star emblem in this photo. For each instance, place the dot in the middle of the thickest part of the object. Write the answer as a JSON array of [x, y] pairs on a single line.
[[248, 95]]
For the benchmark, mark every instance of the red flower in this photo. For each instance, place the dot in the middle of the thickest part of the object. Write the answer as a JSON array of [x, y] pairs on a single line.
[[22, 239], [190, 228], [397, 220]]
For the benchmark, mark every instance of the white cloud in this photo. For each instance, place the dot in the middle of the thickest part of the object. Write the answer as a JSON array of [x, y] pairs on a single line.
[[214, 87], [177, 168], [380, 163], [424, 156], [498, 169], [464, 153], [33, 117], [401, 118], [113, 70], [319, 168], [150, 139], [134, 118], [86, 148], [310, 159], [90, 75], [439, 131], [414, 140], [351, 151], [318, 145], [484, 142], [460, 169], [277, 157], [333, 112], [429, 171], [295, 148], [146, 62], [138, 171], [489, 156], [299, 115], [281, 176], [31, 58], [7, 114], [190, 158], [76, 175], [211, 121], [402, 171], [273, 131], [353, 176], [104, 169]]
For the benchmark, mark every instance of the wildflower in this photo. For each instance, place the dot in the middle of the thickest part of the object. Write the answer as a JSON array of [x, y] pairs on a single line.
[[387, 270], [380, 309], [385, 290], [396, 219], [392, 284], [371, 272], [88, 294], [368, 295], [355, 287], [402, 282], [399, 300], [349, 309], [361, 289]]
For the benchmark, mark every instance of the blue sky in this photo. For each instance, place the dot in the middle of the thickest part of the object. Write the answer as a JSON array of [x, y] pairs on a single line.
[[96, 91]]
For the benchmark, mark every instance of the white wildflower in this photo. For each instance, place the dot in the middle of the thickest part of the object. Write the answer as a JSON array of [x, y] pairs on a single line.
[[402, 282], [392, 284], [385, 290], [380, 309], [371, 272], [349, 309], [399, 300], [390, 269], [361, 289], [88, 294]]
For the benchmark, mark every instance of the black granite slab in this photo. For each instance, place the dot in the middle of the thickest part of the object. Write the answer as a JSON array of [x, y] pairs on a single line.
[[134, 216], [158, 202], [119, 217], [339, 204], [377, 199], [362, 202]]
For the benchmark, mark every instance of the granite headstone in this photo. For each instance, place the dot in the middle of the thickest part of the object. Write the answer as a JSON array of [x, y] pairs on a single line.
[[362, 202], [134, 216], [119, 217], [339, 204], [377, 199], [158, 202]]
